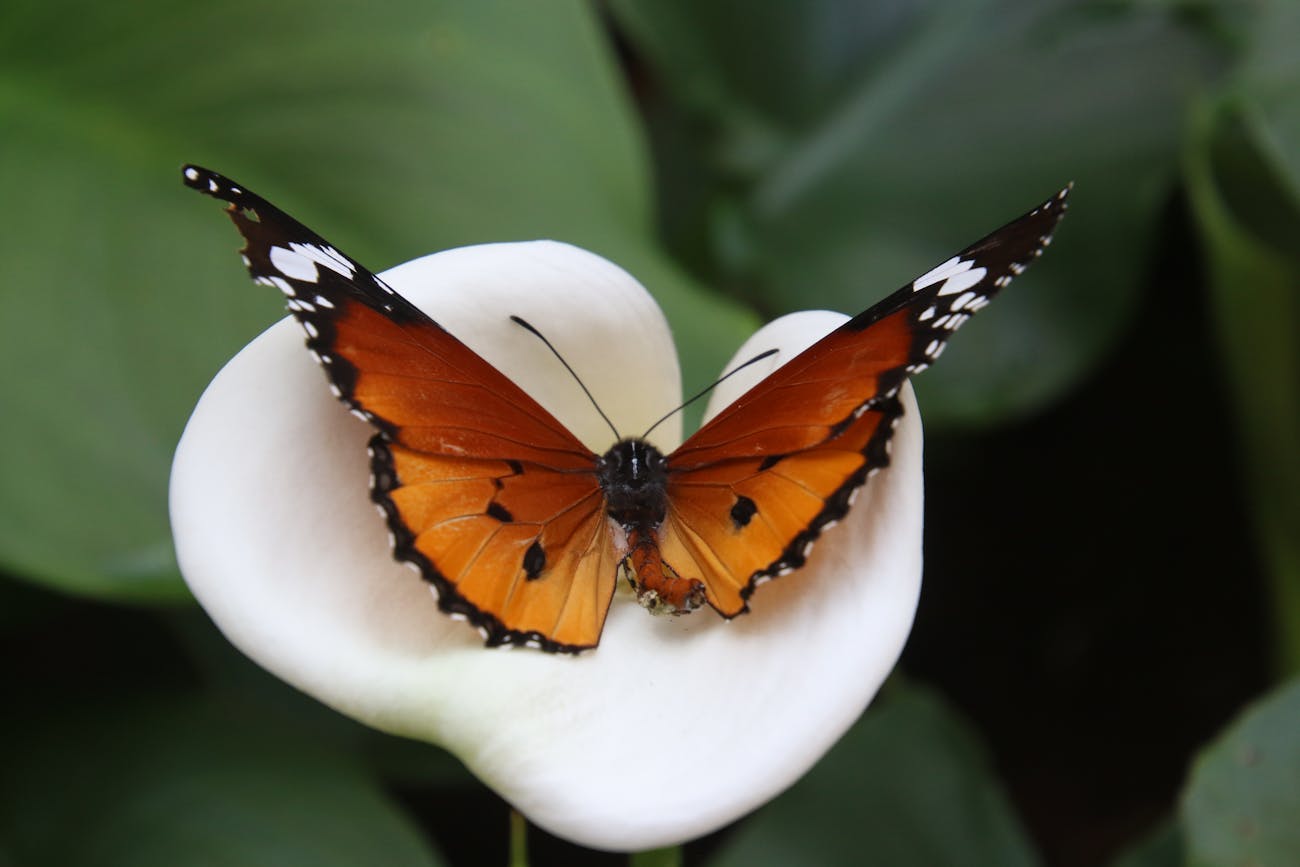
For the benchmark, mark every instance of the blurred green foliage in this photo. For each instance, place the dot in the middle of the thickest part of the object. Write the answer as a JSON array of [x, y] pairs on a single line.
[[821, 154], [742, 159], [1243, 797], [913, 784], [175, 781]]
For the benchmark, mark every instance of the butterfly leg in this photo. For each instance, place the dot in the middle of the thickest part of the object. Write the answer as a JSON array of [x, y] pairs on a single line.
[[658, 588]]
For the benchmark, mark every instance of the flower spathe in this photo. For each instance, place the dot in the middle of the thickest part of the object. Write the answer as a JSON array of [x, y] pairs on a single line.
[[673, 726]]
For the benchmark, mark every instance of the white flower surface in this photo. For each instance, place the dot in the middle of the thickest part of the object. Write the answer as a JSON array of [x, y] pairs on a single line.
[[668, 730]]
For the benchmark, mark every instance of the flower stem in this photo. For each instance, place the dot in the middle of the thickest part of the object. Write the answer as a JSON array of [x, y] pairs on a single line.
[[669, 856], [518, 839]]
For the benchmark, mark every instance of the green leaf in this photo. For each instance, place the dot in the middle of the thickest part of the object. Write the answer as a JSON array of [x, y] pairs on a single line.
[[1246, 203], [190, 784], [1242, 800], [908, 785], [852, 147], [1266, 86], [396, 130], [1163, 847]]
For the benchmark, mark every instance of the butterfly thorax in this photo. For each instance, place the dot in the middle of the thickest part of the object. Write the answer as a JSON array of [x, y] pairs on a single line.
[[634, 477]]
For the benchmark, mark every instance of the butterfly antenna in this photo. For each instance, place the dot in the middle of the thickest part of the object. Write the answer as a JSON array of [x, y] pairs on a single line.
[[576, 378], [716, 383]]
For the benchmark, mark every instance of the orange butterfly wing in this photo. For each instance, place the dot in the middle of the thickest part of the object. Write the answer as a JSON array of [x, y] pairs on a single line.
[[752, 490], [490, 496]]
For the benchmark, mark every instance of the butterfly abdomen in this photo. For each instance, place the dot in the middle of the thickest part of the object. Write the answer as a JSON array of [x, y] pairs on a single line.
[[659, 589]]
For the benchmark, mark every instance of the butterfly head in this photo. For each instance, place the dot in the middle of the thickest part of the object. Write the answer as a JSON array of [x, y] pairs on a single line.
[[634, 476]]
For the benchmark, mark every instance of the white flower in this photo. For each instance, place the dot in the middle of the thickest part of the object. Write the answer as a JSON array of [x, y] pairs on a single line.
[[670, 729]]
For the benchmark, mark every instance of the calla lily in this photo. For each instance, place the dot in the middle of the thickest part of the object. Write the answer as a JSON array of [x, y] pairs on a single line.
[[673, 726]]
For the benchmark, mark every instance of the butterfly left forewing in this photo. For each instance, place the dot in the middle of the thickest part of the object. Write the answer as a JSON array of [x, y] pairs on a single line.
[[489, 495], [752, 490]]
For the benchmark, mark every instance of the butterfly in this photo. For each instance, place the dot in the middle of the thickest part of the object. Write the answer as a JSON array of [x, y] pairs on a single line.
[[522, 529]]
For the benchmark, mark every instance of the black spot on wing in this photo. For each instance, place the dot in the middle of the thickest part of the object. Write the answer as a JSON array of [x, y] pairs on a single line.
[[743, 511], [534, 561], [500, 512]]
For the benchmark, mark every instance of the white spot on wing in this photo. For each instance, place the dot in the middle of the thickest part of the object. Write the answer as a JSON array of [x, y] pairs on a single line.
[[962, 300], [192, 173], [943, 272], [962, 281], [294, 265], [327, 256]]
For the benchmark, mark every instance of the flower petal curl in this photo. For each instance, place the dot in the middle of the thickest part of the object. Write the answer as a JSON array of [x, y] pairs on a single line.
[[673, 726]]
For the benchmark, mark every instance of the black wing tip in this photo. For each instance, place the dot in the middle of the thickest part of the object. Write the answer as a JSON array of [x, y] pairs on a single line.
[[209, 183], [1052, 209], [1059, 203]]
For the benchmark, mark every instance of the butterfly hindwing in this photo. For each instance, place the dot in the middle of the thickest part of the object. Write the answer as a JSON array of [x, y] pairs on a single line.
[[489, 495], [753, 489], [521, 552]]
